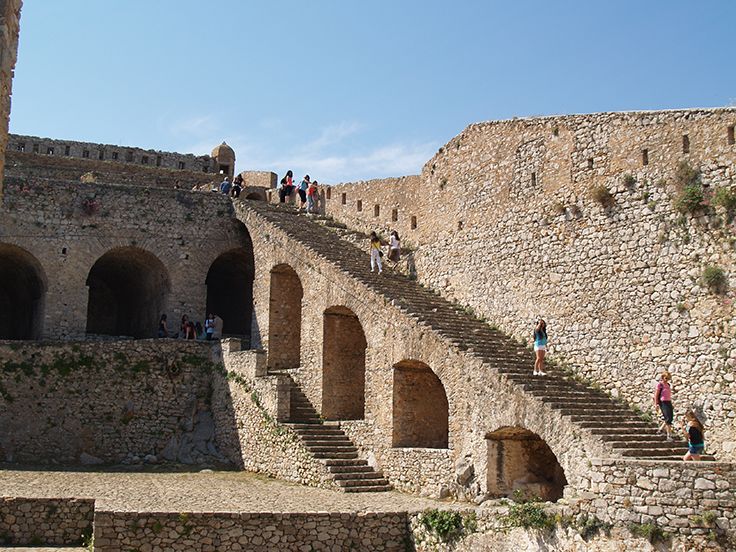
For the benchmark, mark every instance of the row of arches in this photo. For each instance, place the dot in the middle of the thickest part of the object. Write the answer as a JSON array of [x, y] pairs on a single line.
[[517, 459], [129, 288]]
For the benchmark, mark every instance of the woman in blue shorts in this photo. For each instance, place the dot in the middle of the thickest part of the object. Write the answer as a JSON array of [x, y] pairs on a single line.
[[695, 435]]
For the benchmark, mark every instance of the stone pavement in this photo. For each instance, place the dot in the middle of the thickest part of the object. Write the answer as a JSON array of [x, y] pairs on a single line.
[[205, 491]]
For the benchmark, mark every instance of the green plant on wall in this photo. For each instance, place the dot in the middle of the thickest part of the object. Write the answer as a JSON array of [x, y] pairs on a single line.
[[714, 278], [448, 525], [602, 196], [653, 533], [690, 196], [726, 198]]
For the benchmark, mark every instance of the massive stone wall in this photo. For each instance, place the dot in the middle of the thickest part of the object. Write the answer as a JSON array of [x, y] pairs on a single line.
[[110, 402], [51, 521], [505, 220], [9, 29], [32, 166], [112, 153], [165, 242]]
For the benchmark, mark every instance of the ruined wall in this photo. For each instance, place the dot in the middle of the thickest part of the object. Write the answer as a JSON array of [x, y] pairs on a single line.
[[110, 402], [112, 153], [32, 166], [259, 179], [9, 29], [506, 221], [365, 531], [174, 235]]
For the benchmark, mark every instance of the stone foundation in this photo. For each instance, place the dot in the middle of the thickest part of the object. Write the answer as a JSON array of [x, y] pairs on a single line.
[[50, 521]]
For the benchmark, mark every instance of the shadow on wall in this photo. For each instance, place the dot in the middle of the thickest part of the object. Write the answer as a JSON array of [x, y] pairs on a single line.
[[284, 318], [22, 294]]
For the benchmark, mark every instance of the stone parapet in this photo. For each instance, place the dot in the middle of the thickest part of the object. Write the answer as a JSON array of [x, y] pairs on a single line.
[[50, 521]]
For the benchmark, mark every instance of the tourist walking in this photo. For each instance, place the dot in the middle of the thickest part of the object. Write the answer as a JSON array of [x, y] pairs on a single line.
[[303, 187], [376, 253], [163, 328], [225, 186], [287, 186], [540, 347], [663, 402], [237, 186], [186, 330], [394, 248], [312, 195], [209, 326], [695, 434]]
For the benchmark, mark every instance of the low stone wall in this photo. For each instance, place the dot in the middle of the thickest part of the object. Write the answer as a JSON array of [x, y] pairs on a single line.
[[249, 404], [205, 532], [110, 401], [671, 495], [52, 521]]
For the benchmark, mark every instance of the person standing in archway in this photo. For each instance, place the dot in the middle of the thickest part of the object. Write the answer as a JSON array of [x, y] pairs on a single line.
[[209, 326], [163, 328], [540, 347]]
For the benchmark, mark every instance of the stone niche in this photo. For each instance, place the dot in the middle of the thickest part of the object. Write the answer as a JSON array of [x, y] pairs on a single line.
[[520, 461]]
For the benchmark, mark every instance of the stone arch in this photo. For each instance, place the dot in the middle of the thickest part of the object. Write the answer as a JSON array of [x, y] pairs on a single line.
[[258, 195], [519, 460], [22, 294], [284, 318], [230, 289], [343, 365], [128, 289], [420, 408]]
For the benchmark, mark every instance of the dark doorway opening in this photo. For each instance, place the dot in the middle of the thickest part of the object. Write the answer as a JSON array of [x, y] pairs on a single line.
[[284, 318], [230, 290], [22, 294]]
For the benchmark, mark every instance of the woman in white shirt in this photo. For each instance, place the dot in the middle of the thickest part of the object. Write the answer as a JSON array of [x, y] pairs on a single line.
[[394, 248]]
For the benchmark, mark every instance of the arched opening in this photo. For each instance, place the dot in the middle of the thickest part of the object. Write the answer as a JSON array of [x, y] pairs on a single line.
[[127, 293], [420, 410], [230, 290], [343, 365], [519, 460], [284, 318], [22, 294]]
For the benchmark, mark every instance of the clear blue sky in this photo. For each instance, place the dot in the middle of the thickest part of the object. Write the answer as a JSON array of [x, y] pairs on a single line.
[[347, 89]]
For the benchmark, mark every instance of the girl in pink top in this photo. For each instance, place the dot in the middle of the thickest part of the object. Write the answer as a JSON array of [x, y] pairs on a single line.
[[663, 401]]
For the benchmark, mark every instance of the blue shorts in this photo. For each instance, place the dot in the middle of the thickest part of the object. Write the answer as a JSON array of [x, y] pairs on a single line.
[[696, 449]]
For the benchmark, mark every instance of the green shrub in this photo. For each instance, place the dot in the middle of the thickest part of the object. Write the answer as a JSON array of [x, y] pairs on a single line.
[[685, 175], [601, 195], [448, 525], [726, 198], [653, 533], [529, 515], [690, 199], [715, 279], [629, 180], [589, 527]]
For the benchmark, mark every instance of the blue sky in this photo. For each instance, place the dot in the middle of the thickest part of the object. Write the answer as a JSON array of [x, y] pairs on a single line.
[[350, 90]]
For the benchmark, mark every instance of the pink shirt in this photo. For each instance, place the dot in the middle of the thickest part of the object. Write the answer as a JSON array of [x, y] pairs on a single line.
[[664, 391]]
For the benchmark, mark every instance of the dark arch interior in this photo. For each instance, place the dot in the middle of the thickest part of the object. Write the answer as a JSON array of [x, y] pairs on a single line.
[[420, 408], [22, 292], [343, 365], [284, 318], [256, 196], [230, 290], [127, 293], [520, 461]]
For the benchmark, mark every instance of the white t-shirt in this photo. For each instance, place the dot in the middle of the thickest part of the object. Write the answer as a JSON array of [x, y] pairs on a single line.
[[393, 243]]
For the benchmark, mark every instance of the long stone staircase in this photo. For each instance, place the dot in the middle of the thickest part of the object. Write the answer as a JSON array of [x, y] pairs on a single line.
[[327, 442], [626, 431]]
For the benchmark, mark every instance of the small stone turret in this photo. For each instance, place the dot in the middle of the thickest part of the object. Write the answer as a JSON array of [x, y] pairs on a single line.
[[224, 156]]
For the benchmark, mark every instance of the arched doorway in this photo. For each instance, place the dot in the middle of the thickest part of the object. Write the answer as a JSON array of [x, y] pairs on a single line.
[[420, 409], [22, 294], [256, 196], [343, 365], [127, 293], [284, 318], [519, 460], [230, 290]]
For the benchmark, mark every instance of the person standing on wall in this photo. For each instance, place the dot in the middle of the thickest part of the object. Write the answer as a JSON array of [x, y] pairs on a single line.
[[540, 347], [209, 326], [394, 248], [237, 186], [287, 186], [225, 186], [376, 253], [312, 195], [303, 187], [695, 434], [663, 402]]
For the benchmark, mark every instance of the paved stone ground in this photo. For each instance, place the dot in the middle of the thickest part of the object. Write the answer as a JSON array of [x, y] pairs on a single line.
[[201, 492]]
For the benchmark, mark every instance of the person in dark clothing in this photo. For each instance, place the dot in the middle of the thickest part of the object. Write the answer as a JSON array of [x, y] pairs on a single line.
[[663, 402], [287, 186], [695, 434]]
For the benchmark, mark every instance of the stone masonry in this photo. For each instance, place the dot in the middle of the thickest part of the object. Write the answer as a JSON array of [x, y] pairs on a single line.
[[504, 220], [9, 29]]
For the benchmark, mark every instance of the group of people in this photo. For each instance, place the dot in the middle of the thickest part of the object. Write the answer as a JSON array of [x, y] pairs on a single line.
[[233, 189], [212, 328], [307, 190], [692, 427], [376, 250]]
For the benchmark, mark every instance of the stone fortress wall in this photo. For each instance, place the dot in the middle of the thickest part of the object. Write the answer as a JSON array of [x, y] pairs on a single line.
[[9, 30], [504, 220], [113, 153], [155, 251]]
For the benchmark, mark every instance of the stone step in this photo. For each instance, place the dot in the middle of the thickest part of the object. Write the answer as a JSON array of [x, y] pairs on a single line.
[[372, 489], [363, 476], [642, 445], [330, 448], [322, 439], [310, 425], [345, 462], [654, 452], [351, 470], [317, 431], [336, 455], [375, 482]]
